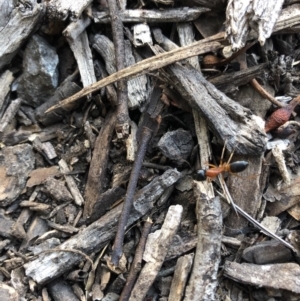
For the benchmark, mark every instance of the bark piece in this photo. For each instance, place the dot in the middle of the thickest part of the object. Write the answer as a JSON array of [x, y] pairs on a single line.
[[57, 190], [203, 281], [229, 82], [8, 293], [9, 114], [66, 89], [61, 291], [230, 122], [6, 80], [16, 164], [98, 166], [94, 237], [36, 229], [183, 14], [40, 73], [138, 91], [267, 252], [181, 244], [62, 9], [277, 276], [79, 43], [141, 35], [181, 273], [21, 23], [155, 252], [176, 145], [105, 201], [39, 175], [71, 183], [245, 190], [242, 15], [6, 225]]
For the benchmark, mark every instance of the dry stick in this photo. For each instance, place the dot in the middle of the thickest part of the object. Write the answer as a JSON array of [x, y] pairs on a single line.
[[254, 83], [203, 281], [161, 60], [98, 166], [137, 262], [117, 248], [122, 125]]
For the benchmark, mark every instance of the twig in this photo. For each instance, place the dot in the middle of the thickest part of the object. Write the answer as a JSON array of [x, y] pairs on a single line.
[[254, 83], [264, 93], [150, 64], [117, 248], [137, 262], [122, 124]]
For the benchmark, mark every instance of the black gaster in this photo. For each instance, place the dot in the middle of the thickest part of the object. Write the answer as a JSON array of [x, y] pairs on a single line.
[[200, 175], [238, 166]]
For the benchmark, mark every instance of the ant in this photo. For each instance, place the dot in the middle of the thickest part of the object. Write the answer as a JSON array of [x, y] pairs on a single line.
[[234, 167]]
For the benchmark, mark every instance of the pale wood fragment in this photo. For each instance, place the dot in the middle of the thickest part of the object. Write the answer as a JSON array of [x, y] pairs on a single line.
[[138, 91], [155, 252], [82, 52], [78, 198], [9, 114], [277, 276], [63, 9], [6, 80], [181, 274], [152, 16], [203, 281], [241, 15]]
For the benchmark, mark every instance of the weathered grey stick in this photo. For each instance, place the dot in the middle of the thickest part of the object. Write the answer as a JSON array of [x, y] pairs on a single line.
[[229, 121], [153, 16], [181, 274], [21, 23], [51, 265], [277, 276], [10, 114], [203, 282]]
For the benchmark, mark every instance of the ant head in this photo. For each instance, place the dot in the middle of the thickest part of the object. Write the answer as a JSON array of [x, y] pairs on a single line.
[[238, 166], [200, 175]]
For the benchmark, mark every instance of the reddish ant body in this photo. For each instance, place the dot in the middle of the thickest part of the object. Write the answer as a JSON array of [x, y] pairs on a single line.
[[234, 167], [214, 171]]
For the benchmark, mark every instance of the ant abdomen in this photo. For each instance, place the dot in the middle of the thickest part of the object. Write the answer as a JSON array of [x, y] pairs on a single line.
[[200, 175], [238, 166]]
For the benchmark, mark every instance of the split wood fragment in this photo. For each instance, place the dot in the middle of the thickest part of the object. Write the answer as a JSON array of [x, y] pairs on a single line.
[[156, 253], [203, 281], [182, 14], [277, 276]]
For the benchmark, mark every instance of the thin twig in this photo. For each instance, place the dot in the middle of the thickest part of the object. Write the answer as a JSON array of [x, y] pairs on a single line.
[[147, 65], [122, 125], [137, 262], [254, 83], [117, 248], [264, 93]]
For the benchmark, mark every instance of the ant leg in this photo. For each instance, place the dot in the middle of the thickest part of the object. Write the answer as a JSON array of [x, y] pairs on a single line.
[[231, 155], [222, 155]]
